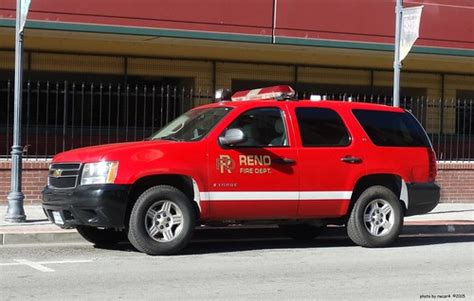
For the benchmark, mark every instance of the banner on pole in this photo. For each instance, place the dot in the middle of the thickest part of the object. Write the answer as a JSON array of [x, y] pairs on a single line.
[[25, 6], [410, 29]]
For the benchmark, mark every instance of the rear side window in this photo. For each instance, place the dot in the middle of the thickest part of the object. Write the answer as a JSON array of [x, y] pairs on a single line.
[[392, 128], [321, 127]]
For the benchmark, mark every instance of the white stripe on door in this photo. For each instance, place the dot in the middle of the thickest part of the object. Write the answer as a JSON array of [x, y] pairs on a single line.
[[274, 195], [325, 195]]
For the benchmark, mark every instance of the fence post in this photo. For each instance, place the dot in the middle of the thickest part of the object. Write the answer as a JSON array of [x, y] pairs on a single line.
[[64, 115], [38, 92], [73, 112], [127, 102], [144, 111], [91, 116], [100, 112], [46, 121], [8, 116], [470, 129]]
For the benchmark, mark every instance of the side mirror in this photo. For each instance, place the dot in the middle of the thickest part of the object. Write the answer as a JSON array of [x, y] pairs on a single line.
[[232, 136]]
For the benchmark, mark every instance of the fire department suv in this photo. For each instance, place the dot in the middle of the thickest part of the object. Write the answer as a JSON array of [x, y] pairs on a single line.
[[262, 156]]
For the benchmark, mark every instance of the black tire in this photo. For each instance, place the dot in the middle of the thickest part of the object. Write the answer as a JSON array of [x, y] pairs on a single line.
[[101, 237], [302, 232], [373, 233], [144, 231]]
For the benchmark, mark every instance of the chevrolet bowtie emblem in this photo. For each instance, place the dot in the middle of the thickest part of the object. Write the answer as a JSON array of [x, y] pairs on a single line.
[[57, 173]]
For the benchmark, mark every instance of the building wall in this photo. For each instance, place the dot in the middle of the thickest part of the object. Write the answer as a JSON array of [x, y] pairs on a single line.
[[76, 63], [199, 72], [35, 177], [332, 76], [456, 182], [445, 23], [453, 83], [226, 72], [445, 26], [452, 177]]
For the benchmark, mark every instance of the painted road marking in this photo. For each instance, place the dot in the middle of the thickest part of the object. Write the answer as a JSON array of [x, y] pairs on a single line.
[[40, 265], [34, 265]]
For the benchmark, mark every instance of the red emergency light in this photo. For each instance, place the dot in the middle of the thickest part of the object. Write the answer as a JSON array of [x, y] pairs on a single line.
[[275, 92]]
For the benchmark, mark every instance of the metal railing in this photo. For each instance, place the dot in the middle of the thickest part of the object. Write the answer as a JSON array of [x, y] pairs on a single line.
[[60, 116]]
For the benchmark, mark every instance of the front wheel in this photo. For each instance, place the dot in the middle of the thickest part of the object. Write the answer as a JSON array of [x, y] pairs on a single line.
[[376, 219], [162, 221]]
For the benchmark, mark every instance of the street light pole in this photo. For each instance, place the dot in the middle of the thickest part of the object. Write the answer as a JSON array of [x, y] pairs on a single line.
[[396, 62], [15, 212]]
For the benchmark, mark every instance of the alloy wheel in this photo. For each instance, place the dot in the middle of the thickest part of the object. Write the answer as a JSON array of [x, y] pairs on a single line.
[[164, 221]]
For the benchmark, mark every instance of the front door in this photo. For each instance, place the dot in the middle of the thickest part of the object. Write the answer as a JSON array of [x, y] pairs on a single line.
[[257, 178]]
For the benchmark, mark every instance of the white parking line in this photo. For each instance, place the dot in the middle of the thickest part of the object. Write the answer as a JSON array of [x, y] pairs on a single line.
[[40, 266], [34, 265]]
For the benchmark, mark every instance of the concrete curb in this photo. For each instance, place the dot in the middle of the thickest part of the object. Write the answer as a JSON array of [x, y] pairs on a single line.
[[218, 233], [40, 238], [439, 229]]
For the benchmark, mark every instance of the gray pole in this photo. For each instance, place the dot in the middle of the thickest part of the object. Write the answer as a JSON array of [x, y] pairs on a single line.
[[396, 62], [15, 211]]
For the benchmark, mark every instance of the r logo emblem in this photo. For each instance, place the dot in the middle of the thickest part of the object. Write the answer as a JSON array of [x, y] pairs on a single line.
[[225, 164]]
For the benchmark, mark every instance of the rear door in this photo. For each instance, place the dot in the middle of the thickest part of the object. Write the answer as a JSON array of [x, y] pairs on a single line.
[[258, 178], [331, 158]]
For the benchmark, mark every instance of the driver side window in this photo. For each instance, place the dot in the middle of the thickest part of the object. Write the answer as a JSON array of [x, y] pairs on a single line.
[[262, 127]]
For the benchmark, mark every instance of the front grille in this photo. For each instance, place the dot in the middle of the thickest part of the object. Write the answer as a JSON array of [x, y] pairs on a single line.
[[64, 175]]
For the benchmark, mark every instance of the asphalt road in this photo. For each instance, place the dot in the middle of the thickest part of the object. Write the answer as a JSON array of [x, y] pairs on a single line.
[[421, 267]]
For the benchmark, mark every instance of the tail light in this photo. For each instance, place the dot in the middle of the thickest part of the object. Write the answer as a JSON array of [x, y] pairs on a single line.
[[433, 171]]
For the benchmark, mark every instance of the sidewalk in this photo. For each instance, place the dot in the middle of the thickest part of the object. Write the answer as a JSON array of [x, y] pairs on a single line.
[[444, 219]]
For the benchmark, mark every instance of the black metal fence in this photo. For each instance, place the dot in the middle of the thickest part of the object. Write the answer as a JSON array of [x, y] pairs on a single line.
[[60, 116]]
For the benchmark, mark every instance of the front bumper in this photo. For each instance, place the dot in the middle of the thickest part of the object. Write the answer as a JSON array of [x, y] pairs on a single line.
[[423, 197], [90, 205]]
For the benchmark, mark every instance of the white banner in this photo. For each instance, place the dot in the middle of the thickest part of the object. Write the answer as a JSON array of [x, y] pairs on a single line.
[[25, 6], [409, 29]]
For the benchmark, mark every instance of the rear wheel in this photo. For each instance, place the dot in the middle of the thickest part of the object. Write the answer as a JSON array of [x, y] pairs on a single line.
[[101, 236], [376, 219], [162, 221], [302, 232]]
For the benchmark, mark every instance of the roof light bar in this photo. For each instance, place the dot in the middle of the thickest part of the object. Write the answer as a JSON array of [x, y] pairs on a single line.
[[222, 95], [275, 92]]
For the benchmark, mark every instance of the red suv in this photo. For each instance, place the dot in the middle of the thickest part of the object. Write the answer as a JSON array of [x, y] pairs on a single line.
[[260, 157]]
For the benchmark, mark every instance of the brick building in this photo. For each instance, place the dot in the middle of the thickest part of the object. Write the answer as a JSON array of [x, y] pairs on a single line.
[[107, 71]]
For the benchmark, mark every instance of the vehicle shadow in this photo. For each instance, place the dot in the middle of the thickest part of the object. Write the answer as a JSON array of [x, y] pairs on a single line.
[[228, 246], [238, 240]]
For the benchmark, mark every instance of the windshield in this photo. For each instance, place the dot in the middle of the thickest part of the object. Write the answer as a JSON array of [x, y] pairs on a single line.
[[192, 125]]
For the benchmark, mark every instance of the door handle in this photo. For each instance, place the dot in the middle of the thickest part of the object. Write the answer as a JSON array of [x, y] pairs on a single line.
[[284, 161], [350, 159]]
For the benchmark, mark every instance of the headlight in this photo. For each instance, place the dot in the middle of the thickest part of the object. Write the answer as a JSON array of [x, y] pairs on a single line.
[[99, 173]]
